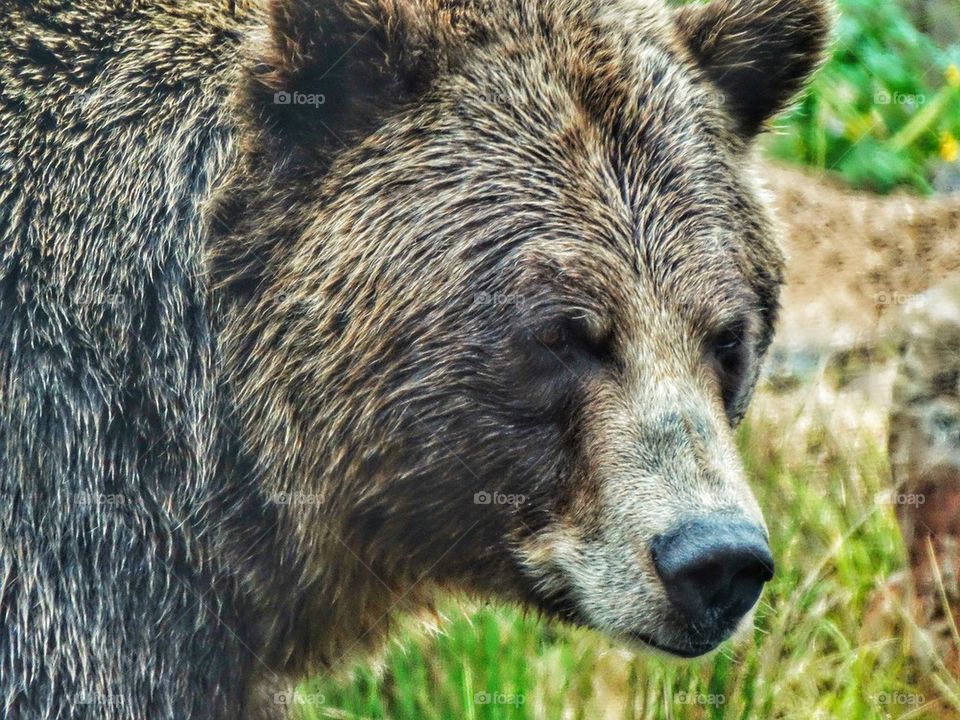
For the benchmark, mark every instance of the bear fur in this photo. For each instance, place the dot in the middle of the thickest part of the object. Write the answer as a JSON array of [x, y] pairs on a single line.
[[293, 292]]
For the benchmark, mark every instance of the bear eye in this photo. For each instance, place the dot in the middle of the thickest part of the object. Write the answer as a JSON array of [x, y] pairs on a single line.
[[553, 337], [725, 347], [728, 354], [573, 337]]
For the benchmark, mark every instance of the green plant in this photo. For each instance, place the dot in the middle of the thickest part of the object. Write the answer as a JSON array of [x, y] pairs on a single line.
[[884, 109]]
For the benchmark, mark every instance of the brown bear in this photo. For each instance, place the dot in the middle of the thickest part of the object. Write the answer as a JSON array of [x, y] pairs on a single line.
[[309, 308]]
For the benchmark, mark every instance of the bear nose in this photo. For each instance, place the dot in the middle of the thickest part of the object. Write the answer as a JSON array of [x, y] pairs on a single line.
[[713, 568]]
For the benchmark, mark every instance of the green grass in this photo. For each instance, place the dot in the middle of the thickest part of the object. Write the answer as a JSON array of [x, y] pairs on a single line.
[[834, 542]]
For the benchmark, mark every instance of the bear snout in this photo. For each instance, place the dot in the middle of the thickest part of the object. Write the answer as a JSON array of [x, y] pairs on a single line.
[[713, 569]]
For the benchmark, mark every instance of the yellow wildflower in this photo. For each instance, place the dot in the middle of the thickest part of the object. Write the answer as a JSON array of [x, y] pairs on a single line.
[[953, 76], [949, 147], [860, 126]]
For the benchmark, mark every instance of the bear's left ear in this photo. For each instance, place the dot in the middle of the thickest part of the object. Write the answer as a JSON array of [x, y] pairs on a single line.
[[325, 71], [758, 53]]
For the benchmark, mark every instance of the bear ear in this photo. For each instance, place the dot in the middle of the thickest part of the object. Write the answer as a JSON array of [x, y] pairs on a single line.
[[327, 70], [758, 53]]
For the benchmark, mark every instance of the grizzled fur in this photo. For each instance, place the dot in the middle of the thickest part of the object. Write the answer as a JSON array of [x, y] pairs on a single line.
[[257, 357]]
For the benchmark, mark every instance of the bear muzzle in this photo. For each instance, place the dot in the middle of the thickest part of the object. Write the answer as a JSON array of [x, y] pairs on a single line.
[[713, 570]]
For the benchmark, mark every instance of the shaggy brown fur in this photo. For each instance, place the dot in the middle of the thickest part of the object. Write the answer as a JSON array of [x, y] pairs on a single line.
[[299, 281]]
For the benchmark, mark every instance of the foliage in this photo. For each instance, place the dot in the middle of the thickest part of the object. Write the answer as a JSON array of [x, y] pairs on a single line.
[[884, 110]]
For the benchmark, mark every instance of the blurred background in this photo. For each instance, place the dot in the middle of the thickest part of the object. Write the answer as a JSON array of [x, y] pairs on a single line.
[[853, 443]]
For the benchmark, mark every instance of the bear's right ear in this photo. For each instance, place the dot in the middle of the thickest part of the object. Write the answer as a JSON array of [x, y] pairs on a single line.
[[758, 53], [327, 70]]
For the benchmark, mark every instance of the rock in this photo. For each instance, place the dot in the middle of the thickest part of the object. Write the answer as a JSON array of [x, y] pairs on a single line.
[[946, 179], [925, 452], [939, 19]]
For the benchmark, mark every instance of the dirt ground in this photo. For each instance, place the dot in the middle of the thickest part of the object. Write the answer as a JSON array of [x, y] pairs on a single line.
[[854, 258], [854, 261]]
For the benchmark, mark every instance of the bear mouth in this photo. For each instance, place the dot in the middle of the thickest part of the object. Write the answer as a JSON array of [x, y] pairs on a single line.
[[561, 606], [688, 651]]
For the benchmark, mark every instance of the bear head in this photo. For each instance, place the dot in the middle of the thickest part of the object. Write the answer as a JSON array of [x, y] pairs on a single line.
[[499, 286]]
